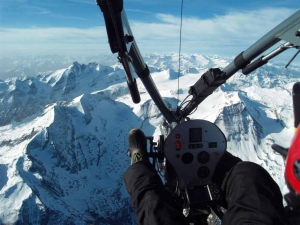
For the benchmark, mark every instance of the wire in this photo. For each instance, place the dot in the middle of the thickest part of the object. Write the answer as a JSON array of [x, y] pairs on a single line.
[[193, 110], [292, 59], [179, 61], [184, 101]]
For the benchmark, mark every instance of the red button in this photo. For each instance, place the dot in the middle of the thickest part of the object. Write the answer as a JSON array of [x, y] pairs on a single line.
[[178, 145]]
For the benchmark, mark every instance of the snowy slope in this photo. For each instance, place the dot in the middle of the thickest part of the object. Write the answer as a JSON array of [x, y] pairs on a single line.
[[63, 135]]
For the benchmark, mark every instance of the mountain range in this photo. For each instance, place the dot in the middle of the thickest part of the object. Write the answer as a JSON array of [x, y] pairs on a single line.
[[63, 134]]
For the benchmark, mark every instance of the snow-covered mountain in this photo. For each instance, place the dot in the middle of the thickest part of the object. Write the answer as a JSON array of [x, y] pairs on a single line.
[[42, 65], [63, 135]]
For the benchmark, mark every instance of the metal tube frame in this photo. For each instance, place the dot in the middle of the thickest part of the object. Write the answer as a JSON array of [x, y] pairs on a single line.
[[284, 31]]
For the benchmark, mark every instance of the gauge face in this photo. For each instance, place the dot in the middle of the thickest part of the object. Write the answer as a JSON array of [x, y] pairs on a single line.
[[187, 158], [203, 157], [203, 172]]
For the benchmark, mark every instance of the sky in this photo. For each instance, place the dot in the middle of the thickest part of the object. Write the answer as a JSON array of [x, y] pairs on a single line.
[[76, 27]]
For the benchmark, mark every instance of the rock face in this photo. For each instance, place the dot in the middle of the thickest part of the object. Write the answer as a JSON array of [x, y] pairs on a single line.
[[63, 139]]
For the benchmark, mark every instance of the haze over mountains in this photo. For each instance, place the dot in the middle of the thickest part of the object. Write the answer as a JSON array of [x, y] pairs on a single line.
[[41, 65], [63, 134]]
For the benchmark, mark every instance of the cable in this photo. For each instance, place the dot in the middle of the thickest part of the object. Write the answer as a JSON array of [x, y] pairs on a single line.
[[184, 101], [292, 58], [193, 111], [179, 61]]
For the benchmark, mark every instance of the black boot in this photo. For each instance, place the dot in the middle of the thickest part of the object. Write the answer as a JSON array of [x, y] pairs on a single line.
[[137, 146]]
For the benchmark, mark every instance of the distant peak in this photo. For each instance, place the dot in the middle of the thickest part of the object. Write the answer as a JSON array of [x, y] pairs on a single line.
[[75, 63]]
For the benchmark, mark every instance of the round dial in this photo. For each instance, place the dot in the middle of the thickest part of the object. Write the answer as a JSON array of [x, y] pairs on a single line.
[[203, 157], [187, 158], [203, 172]]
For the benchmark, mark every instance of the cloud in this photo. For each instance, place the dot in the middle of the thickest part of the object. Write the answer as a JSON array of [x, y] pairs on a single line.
[[43, 41], [90, 2], [35, 10], [69, 17], [226, 35], [138, 11], [233, 30], [40, 35]]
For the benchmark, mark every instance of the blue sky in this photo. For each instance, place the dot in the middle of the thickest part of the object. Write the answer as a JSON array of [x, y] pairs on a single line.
[[76, 27]]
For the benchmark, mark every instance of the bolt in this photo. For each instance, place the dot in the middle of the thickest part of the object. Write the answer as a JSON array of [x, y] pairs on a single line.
[[128, 38], [297, 169]]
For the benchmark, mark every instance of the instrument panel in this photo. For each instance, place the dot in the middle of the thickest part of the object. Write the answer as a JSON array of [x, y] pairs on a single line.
[[194, 149]]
